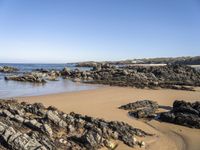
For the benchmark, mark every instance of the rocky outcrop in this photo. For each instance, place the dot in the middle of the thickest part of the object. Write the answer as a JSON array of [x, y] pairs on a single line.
[[141, 109], [170, 76], [8, 69], [37, 76], [51, 75], [183, 113], [32, 126], [34, 78]]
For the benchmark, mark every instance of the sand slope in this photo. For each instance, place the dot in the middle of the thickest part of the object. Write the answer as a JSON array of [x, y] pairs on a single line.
[[104, 103]]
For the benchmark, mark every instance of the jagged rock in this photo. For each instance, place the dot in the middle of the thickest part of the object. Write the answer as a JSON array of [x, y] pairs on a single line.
[[17, 140], [169, 76], [48, 129], [140, 104], [19, 118], [143, 113], [53, 117], [33, 123], [52, 129], [183, 113], [91, 139], [141, 109]]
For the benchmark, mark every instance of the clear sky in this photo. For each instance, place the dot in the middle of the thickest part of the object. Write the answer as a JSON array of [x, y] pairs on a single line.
[[55, 31]]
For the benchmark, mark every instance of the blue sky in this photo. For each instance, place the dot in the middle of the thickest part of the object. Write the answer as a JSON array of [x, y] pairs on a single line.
[[56, 31]]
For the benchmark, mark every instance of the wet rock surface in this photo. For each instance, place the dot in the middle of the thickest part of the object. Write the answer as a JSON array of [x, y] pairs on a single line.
[[141, 109], [170, 76], [8, 69], [183, 113], [32, 126]]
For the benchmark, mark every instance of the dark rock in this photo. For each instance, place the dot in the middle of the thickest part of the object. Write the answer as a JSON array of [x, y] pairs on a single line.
[[33, 126], [140, 104], [143, 113], [141, 109], [170, 76], [183, 113]]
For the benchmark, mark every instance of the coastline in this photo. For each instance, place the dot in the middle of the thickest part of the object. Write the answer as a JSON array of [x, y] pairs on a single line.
[[103, 102]]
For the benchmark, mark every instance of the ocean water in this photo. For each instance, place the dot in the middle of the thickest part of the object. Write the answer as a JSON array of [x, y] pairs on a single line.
[[9, 89]]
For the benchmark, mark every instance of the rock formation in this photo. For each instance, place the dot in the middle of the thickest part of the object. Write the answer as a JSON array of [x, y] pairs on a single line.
[[8, 69], [141, 109], [170, 76], [37, 76], [26, 78], [32, 126], [183, 113]]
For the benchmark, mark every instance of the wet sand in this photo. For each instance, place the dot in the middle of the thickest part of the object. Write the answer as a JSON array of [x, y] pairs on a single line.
[[104, 103]]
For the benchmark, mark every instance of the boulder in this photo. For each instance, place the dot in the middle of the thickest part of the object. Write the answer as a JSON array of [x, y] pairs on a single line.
[[183, 113]]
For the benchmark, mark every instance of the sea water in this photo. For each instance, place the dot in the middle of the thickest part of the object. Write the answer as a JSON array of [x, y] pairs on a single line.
[[9, 89]]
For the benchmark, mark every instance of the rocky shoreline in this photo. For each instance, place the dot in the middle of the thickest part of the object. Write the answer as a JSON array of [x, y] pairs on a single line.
[[170, 76], [32, 126]]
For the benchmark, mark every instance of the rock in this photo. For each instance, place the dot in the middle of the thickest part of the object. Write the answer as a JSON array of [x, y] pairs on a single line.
[[8, 69], [26, 78], [86, 64], [63, 141], [143, 113], [33, 123], [54, 118], [110, 144], [183, 113], [91, 139], [33, 126], [177, 77], [141, 109], [48, 129], [71, 128], [17, 140], [142, 144], [140, 104], [19, 118], [66, 72]]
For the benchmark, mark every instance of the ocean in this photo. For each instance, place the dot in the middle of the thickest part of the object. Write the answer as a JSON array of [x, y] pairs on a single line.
[[10, 89]]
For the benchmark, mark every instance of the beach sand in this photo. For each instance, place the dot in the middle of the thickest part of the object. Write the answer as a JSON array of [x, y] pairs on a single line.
[[104, 103]]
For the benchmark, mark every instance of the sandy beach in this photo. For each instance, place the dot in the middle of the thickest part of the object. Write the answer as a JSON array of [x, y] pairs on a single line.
[[104, 103]]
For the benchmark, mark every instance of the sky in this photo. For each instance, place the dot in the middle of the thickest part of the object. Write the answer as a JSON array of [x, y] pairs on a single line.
[[59, 31]]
